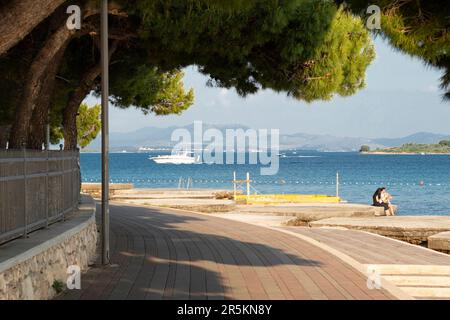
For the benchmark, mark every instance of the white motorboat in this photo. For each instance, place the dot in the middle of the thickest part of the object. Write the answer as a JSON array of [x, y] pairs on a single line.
[[183, 158]]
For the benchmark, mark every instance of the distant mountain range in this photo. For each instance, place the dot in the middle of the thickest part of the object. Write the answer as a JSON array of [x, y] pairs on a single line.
[[154, 137]]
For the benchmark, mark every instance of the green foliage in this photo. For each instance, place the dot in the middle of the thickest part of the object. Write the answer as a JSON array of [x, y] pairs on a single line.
[[419, 148], [134, 82], [150, 90], [339, 64], [445, 143], [418, 28], [300, 47], [364, 148], [309, 49], [58, 286], [88, 124]]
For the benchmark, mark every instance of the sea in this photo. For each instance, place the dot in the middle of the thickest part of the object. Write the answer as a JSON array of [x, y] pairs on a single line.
[[419, 184]]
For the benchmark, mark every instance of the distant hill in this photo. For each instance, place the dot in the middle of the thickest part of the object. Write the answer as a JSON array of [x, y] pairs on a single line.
[[443, 147], [323, 142], [160, 137], [420, 137], [151, 137]]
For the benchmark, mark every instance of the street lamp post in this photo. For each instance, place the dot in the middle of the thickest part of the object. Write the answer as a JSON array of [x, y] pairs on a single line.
[[105, 131]]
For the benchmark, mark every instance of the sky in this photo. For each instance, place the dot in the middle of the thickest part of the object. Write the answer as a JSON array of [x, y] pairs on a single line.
[[401, 97]]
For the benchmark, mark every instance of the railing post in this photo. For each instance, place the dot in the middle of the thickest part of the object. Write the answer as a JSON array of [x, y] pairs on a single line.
[[61, 159], [337, 184], [75, 180], [71, 199], [248, 185], [25, 218], [78, 195], [234, 185], [47, 136], [46, 189]]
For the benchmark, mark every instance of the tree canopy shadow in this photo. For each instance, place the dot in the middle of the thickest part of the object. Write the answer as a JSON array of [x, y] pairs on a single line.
[[171, 255]]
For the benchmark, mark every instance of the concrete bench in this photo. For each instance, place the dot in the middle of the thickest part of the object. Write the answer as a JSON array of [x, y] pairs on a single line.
[[379, 211], [440, 242]]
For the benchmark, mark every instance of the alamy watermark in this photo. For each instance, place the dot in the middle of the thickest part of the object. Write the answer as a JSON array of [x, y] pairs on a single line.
[[73, 22], [231, 146], [373, 277], [373, 21], [74, 277]]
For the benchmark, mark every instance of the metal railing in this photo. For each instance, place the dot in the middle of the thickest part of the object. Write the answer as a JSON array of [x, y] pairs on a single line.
[[37, 188]]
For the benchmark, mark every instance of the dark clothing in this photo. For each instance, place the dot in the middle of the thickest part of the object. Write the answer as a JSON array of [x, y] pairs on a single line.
[[382, 204], [374, 199]]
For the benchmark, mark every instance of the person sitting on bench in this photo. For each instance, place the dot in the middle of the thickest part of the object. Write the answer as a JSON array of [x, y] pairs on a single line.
[[381, 198]]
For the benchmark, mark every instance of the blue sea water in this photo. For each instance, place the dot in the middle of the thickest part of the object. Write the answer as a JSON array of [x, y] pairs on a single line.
[[420, 184]]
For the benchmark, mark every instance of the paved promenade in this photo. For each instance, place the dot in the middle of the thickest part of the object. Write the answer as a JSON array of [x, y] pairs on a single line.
[[416, 271], [167, 254], [420, 272]]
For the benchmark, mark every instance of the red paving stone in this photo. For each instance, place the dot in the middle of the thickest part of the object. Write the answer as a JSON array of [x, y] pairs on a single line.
[[166, 254]]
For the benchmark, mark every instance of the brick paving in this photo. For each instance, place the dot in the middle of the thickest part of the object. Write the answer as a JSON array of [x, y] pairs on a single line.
[[167, 254]]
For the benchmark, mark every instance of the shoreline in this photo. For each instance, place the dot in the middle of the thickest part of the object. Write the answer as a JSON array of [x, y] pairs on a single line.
[[407, 153]]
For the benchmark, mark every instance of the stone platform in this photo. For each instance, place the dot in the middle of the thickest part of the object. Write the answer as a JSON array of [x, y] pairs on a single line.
[[440, 242], [202, 200], [305, 213], [412, 229]]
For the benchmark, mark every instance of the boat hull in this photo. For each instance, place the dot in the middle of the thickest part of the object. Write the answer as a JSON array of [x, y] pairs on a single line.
[[171, 161], [174, 159]]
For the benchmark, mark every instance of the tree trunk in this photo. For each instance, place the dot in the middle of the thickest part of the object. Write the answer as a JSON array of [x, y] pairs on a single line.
[[33, 85], [19, 17], [4, 134], [70, 111], [39, 120]]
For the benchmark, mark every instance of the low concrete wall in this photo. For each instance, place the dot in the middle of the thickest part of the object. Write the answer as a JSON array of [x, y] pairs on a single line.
[[95, 189], [29, 267], [412, 229]]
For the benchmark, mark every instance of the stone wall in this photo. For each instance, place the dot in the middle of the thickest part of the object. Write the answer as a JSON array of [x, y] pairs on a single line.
[[31, 274]]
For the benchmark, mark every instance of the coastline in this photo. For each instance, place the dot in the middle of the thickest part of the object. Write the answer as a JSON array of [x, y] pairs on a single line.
[[407, 153]]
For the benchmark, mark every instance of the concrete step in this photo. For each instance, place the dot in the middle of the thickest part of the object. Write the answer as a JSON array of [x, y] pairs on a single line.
[[168, 196], [428, 293], [312, 212], [420, 281], [168, 192], [409, 269], [412, 229]]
